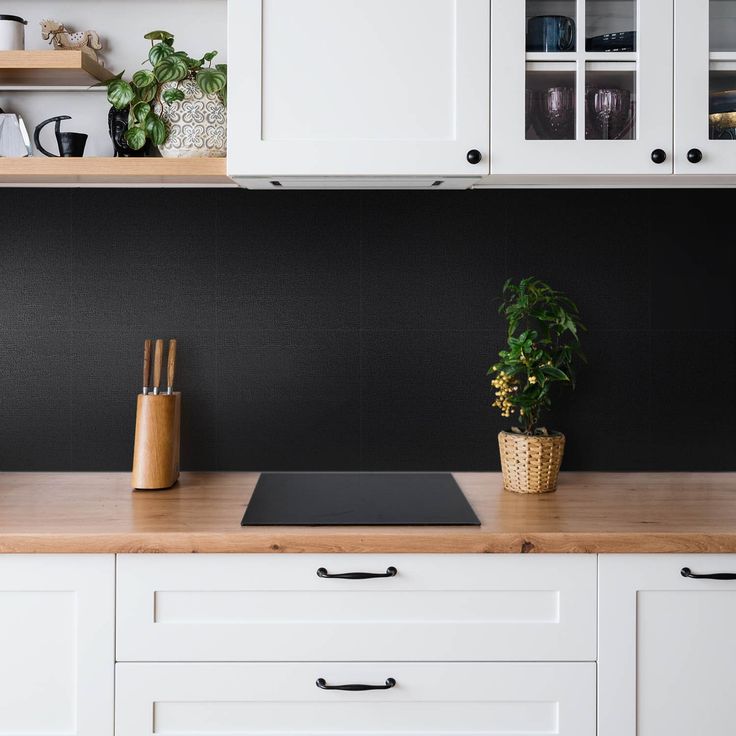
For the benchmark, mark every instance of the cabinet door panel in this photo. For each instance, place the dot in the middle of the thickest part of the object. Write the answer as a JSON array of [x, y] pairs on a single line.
[[278, 699], [276, 607], [56, 645], [667, 653], [705, 79], [358, 87], [582, 110]]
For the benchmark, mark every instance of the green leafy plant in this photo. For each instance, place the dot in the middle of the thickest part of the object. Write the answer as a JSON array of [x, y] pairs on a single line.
[[542, 346], [141, 95]]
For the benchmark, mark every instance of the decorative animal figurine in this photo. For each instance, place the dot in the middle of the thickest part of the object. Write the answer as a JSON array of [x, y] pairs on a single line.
[[86, 41]]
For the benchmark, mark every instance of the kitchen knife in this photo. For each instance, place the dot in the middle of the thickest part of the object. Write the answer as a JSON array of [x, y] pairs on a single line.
[[171, 367], [146, 365], [158, 358]]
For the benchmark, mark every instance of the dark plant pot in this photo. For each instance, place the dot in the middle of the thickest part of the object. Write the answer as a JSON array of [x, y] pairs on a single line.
[[117, 124]]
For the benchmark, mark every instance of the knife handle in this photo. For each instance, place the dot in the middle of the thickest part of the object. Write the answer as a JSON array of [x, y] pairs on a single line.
[[146, 365], [158, 358], [171, 367]]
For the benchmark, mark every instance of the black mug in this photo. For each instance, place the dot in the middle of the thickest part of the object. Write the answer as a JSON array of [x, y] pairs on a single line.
[[71, 145], [550, 33]]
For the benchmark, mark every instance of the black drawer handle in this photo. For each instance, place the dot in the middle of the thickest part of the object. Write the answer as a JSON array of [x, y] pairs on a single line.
[[390, 572], [322, 685], [686, 572]]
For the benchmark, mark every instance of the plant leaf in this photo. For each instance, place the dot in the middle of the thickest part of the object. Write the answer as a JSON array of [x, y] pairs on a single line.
[[120, 94], [552, 372], [171, 69], [147, 94], [136, 138], [211, 80], [159, 52], [158, 36], [143, 78], [172, 95], [156, 129], [140, 111]]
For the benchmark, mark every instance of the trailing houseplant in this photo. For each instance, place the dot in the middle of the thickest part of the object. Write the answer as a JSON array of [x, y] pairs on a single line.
[[543, 345], [153, 92]]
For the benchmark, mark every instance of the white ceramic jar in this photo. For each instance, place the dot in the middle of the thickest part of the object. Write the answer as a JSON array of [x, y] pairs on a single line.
[[12, 33]]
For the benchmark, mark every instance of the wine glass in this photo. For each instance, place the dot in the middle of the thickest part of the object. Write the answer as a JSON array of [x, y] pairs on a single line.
[[554, 117], [609, 112]]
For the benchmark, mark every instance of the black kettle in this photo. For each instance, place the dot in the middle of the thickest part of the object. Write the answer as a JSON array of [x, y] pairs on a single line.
[[71, 145]]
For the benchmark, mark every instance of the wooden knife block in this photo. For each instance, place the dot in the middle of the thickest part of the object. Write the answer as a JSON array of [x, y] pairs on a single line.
[[157, 441]]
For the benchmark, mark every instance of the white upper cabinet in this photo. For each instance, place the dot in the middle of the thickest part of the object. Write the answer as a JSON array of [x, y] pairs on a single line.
[[57, 622], [582, 87], [667, 649], [705, 86], [358, 88]]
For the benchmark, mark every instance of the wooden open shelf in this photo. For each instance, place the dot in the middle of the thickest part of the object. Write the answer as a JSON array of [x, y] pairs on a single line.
[[50, 69], [42, 171]]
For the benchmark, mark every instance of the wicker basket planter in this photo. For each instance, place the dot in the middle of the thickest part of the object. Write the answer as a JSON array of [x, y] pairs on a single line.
[[530, 464]]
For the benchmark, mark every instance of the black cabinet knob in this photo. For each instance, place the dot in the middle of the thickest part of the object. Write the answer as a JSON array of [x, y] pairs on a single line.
[[694, 155], [659, 156], [474, 156]]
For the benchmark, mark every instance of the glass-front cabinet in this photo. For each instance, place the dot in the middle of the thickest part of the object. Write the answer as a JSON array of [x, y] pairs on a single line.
[[583, 86], [705, 86]]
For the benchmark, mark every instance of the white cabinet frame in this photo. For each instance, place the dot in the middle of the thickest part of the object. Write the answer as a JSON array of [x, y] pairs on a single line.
[[512, 154], [86, 623], [621, 580], [295, 150]]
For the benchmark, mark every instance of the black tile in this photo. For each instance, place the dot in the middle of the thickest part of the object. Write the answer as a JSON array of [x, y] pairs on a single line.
[[606, 419], [694, 401], [694, 275], [426, 400], [289, 260], [432, 260], [107, 379], [288, 400], [35, 259], [581, 243], [144, 260], [35, 386]]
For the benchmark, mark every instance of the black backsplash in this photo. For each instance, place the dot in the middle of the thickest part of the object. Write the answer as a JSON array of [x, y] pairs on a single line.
[[353, 330]]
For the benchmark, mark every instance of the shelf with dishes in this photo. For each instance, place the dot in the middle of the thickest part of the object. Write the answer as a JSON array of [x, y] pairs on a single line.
[[572, 56]]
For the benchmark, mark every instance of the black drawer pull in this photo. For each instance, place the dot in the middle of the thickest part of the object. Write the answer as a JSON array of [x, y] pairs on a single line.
[[322, 685], [686, 572], [390, 572]]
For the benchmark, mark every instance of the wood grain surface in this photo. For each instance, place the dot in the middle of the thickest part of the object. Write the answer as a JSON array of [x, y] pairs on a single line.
[[590, 512], [115, 171]]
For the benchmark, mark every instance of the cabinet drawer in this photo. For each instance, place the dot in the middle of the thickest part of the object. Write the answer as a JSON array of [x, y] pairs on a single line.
[[282, 698], [276, 608]]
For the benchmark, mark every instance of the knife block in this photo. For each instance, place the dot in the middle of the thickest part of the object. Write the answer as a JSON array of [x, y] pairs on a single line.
[[157, 441]]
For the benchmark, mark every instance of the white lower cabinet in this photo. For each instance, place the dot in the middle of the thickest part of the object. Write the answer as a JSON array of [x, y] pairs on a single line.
[[276, 699], [57, 619], [446, 645], [667, 645], [434, 608]]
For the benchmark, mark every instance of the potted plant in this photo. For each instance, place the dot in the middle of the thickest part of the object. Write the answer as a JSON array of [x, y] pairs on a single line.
[[542, 346], [178, 104]]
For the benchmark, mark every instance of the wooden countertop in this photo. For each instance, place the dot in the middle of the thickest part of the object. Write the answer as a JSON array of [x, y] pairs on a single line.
[[591, 512]]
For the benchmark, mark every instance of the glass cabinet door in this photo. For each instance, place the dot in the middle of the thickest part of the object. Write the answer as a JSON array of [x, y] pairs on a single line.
[[705, 86], [581, 87]]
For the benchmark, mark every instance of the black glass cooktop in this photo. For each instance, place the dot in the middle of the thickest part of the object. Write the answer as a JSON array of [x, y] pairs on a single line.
[[337, 499]]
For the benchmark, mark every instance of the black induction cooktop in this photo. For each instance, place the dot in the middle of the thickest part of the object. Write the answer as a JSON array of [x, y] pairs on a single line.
[[337, 499]]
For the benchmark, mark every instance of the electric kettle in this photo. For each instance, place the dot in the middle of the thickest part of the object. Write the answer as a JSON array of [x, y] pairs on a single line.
[[14, 140]]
